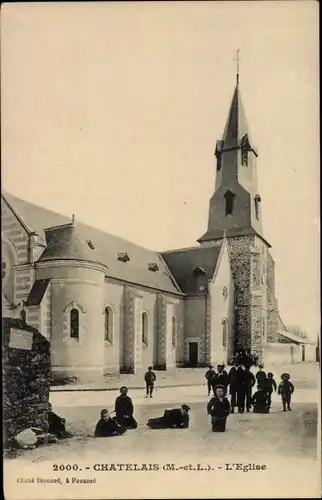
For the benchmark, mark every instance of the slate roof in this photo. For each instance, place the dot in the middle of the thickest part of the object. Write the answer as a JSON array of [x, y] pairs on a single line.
[[236, 125], [37, 292], [295, 338], [231, 233], [63, 242], [107, 247], [182, 263]]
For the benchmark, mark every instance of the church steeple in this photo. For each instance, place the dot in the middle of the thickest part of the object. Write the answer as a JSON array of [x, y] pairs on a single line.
[[235, 204]]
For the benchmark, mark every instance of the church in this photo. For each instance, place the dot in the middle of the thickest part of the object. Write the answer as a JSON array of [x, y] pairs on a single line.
[[107, 305]]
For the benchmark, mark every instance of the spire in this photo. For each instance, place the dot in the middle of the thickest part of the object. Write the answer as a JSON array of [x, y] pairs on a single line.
[[236, 125], [235, 205], [73, 221]]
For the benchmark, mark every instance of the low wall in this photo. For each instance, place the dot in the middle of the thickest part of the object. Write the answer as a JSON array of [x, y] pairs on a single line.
[[287, 353], [26, 377], [275, 353]]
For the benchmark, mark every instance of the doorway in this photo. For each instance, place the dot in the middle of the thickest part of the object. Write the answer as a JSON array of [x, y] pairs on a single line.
[[303, 352], [193, 353]]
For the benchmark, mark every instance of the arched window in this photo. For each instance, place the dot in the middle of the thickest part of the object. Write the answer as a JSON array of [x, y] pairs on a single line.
[[245, 148], [23, 316], [145, 329], [229, 202], [218, 154], [74, 324], [174, 331], [109, 324], [224, 326], [257, 201]]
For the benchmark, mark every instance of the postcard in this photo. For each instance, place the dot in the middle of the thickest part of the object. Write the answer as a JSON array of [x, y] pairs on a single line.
[[160, 250]]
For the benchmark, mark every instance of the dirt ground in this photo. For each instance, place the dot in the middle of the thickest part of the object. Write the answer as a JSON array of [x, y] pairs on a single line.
[[277, 434], [304, 375], [286, 442]]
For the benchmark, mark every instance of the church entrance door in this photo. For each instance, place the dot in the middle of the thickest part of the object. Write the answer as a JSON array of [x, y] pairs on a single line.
[[193, 353], [303, 352]]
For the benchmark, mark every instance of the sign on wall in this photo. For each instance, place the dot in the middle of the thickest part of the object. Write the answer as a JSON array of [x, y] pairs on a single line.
[[20, 339]]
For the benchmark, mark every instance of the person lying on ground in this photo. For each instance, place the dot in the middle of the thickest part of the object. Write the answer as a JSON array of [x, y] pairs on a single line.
[[178, 418]]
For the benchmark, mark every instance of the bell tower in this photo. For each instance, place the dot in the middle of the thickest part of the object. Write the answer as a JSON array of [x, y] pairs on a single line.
[[235, 210], [236, 202]]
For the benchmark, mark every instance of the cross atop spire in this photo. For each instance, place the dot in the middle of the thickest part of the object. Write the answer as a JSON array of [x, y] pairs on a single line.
[[237, 66]]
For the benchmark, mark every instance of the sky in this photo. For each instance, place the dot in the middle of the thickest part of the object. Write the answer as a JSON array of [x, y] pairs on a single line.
[[111, 111]]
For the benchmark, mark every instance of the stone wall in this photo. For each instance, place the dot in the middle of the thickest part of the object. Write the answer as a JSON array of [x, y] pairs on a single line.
[[272, 306], [256, 307], [26, 379], [239, 254]]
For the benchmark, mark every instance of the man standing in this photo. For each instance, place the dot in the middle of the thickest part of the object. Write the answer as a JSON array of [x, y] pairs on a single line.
[[209, 376], [233, 386], [249, 381], [240, 386], [221, 377], [124, 410], [149, 378]]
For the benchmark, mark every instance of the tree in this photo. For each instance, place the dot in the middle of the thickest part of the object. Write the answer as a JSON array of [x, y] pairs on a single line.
[[297, 330]]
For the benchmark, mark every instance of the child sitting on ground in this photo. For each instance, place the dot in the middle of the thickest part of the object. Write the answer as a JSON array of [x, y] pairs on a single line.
[[260, 401]]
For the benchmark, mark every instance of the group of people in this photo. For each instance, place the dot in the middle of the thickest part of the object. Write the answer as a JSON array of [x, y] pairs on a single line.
[[239, 382], [109, 426]]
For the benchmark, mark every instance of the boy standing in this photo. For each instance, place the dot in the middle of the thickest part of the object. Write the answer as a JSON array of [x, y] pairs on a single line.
[[221, 377], [270, 385], [261, 376], [149, 378], [286, 389], [209, 376], [219, 409]]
